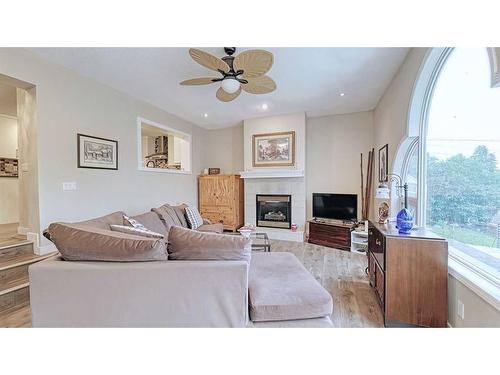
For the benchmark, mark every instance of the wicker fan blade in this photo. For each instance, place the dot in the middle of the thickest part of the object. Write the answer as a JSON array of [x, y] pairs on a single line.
[[259, 85], [198, 81], [254, 63], [225, 97], [208, 61]]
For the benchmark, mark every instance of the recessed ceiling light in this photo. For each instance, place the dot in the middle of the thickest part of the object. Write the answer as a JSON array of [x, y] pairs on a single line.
[[342, 94], [205, 115], [264, 106]]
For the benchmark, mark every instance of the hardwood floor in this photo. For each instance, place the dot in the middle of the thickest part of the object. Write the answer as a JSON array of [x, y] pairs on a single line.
[[342, 273]]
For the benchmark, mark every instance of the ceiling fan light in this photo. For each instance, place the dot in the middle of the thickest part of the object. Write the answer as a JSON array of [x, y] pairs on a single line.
[[230, 85]]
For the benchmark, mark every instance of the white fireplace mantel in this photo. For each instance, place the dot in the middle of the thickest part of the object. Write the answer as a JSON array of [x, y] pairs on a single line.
[[272, 173]]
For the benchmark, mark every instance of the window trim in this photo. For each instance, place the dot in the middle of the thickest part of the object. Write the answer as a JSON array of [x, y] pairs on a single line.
[[460, 266], [141, 167]]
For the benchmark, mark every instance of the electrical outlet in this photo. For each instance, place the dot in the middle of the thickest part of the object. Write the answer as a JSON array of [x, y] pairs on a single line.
[[460, 309], [66, 186]]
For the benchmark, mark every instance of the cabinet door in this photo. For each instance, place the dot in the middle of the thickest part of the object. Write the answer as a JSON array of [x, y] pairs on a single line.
[[380, 284], [216, 191]]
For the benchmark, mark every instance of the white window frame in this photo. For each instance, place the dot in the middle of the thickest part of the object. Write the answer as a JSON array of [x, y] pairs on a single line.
[[461, 266], [142, 167]]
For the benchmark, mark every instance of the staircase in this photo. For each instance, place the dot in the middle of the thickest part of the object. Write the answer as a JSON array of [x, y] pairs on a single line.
[[16, 255]]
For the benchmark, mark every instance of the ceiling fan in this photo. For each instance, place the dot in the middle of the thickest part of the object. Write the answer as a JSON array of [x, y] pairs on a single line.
[[245, 71]]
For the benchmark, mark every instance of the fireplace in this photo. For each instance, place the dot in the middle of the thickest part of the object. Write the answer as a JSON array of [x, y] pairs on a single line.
[[274, 211]]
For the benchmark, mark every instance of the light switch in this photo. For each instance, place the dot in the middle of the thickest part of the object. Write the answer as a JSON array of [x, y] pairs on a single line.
[[69, 186]]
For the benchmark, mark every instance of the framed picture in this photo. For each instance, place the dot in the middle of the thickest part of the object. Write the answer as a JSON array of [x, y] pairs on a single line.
[[213, 170], [383, 164], [273, 149], [97, 153]]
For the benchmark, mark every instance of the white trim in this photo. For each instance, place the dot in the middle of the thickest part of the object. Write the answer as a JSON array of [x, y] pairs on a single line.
[[472, 277], [494, 55], [46, 249], [140, 165], [272, 173]]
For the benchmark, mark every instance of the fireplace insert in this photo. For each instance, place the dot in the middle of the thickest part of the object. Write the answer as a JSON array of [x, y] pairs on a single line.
[[274, 211]]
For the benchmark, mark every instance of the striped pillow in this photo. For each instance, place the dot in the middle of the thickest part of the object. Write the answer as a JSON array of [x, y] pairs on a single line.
[[193, 217]]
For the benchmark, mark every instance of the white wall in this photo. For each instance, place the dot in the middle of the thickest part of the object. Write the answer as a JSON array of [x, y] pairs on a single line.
[[390, 126], [224, 149], [333, 148], [9, 186], [67, 104]]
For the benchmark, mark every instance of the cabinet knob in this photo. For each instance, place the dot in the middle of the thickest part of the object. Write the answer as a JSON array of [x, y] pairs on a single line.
[[377, 241]]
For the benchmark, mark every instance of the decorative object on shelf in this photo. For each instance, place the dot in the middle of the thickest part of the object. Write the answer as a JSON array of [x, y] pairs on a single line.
[[383, 212], [205, 171], [213, 170], [383, 164], [273, 149], [246, 72], [404, 218], [9, 167], [366, 192], [97, 153]]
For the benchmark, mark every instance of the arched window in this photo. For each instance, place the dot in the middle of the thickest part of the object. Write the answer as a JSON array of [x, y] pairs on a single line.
[[451, 158]]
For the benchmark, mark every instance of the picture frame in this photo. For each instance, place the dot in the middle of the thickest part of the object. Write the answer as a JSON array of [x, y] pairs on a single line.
[[383, 164], [273, 149], [97, 153], [213, 171]]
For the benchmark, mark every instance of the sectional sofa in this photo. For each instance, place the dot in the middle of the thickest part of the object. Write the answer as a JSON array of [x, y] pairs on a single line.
[[271, 290]]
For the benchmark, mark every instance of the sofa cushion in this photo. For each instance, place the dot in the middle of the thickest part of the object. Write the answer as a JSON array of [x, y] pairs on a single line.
[[193, 217], [214, 228], [142, 232], [82, 242], [187, 244], [105, 221], [152, 221], [280, 288], [172, 215]]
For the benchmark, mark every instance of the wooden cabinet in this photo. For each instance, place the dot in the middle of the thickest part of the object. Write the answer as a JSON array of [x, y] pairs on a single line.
[[331, 234], [220, 199], [409, 275]]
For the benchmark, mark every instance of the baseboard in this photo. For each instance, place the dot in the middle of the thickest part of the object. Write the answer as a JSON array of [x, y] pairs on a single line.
[[23, 230], [46, 249]]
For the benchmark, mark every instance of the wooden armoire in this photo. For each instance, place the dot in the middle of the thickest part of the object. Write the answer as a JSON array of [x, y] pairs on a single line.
[[221, 199]]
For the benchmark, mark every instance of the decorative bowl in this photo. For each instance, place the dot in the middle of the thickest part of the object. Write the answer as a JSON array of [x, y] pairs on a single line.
[[245, 231]]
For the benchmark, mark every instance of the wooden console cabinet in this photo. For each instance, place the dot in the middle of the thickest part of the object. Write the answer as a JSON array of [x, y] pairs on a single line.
[[409, 275], [330, 234], [220, 199]]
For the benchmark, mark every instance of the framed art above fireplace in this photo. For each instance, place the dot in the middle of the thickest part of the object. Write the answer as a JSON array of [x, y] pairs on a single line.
[[273, 149]]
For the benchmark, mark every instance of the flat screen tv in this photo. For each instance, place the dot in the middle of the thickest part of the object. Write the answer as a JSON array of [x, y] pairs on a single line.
[[335, 206]]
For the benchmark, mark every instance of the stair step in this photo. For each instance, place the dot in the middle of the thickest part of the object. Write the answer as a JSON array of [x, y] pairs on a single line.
[[14, 299], [19, 317], [15, 260], [12, 243], [12, 278]]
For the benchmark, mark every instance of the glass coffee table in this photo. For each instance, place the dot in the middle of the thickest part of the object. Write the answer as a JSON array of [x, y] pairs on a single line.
[[260, 241]]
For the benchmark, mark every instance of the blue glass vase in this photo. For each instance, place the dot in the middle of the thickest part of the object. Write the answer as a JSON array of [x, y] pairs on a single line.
[[404, 221]]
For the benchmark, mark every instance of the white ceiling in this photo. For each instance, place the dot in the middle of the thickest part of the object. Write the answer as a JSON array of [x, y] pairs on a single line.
[[308, 79]]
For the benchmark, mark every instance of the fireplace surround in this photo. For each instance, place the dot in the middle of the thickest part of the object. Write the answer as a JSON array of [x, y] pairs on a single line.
[[274, 211]]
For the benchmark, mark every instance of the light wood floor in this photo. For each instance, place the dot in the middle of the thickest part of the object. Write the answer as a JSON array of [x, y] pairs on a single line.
[[340, 272]]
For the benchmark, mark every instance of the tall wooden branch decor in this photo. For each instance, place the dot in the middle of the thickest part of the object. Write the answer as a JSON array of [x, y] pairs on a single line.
[[366, 189]]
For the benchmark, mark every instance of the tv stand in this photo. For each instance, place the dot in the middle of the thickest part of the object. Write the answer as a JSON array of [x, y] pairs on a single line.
[[331, 233]]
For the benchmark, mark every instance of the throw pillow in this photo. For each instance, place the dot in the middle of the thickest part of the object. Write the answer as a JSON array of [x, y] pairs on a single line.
[[187, 244], [193, 217], [128, 221], [136, 231], [81, 242]]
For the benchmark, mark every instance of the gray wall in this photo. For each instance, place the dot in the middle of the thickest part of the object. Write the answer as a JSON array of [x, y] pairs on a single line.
[[224, 149], [67, 104]]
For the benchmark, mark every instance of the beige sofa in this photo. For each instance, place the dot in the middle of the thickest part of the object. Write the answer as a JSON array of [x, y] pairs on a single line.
[[274, 290]]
